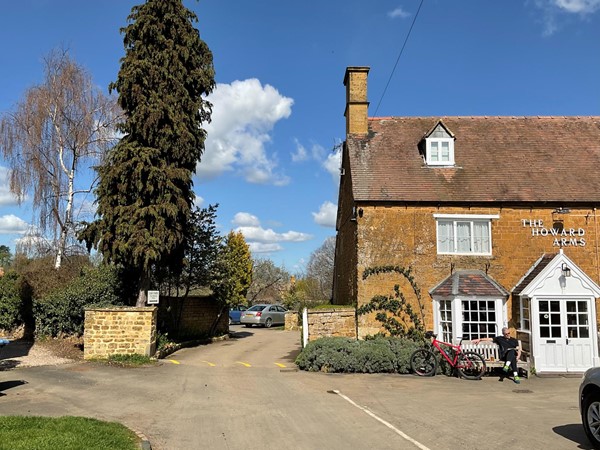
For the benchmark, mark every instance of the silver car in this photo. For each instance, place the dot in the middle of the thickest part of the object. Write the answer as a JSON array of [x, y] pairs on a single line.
[[263, 314], [589, 405]]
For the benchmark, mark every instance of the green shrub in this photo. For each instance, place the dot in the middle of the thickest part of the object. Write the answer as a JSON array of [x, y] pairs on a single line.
[[10, 302], [375, 355], [62, 311]]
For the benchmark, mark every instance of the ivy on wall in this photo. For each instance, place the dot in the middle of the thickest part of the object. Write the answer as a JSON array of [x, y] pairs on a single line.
[[394, 312]]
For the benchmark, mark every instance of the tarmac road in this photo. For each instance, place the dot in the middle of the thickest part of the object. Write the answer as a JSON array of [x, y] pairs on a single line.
[[244, 393]]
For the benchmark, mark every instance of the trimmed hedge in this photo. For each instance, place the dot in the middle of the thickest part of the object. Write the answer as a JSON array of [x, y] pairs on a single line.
[[376, 355], [62, 311], [10, 302]]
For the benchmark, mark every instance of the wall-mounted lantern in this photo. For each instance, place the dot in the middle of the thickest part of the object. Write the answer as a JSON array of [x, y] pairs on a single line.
[[566, 270]]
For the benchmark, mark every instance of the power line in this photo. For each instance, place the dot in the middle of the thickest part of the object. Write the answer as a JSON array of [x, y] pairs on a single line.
[[399, 55]]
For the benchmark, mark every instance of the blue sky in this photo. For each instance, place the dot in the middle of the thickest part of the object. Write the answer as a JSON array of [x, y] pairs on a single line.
[[278, 107]]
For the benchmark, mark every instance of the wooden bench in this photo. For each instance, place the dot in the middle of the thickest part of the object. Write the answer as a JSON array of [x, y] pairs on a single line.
[[491, 355]]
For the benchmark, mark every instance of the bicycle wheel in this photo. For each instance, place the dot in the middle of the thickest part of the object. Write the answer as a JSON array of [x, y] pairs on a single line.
[[470, 365], [423, 363]]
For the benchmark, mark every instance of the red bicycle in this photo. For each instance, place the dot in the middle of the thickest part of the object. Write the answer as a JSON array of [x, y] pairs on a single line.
[[469, 364]]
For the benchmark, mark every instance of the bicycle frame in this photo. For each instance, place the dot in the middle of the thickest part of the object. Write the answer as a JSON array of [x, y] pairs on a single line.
[[456, 348]]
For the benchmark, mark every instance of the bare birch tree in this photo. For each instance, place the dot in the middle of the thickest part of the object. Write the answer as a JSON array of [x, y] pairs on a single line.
[[51, 138]]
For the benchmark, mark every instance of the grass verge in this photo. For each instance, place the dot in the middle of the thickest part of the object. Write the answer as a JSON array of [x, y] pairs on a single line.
[[65, 433]]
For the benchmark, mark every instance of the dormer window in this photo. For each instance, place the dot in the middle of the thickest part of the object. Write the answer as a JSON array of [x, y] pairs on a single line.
[[439, 146]]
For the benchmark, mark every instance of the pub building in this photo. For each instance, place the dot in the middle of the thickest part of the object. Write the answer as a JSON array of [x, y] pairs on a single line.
[[496, 219]]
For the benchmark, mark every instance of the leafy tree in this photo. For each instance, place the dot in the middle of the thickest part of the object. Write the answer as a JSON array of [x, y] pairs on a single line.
[[145, 191], [5, 256], [269, 282], [203, 247], [235, 270], [59, 126], [303, 293], [320, 269]]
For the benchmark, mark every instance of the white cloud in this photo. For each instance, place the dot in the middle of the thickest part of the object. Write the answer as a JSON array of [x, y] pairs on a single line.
[[264, 240], [398, 12], [260, 234], [6, 197], [578, 6], [301, 154], [259, 247], [245, 219], [244, 114], [198, 201], [327, 215], [552, 10], [11, 224], [333, 163]]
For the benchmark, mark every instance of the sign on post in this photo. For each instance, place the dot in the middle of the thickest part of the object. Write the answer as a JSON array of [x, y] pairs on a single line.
[[153, 297]]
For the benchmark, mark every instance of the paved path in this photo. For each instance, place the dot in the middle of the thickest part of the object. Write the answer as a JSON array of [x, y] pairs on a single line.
[[235, 394]]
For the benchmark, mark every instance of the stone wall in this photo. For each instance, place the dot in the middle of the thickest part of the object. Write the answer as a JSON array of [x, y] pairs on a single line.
[[191, 317], [331, 322], [118, 331], [291, 321]]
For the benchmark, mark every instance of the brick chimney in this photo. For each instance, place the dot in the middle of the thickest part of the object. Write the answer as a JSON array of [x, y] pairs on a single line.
[[357, 105]]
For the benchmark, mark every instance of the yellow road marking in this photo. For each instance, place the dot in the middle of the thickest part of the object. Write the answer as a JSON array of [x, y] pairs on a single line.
[[209, 363], [173, 361], [243, 364], [280, 365]]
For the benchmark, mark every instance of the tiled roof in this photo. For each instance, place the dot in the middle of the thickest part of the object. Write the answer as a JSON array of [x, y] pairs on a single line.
[[533, 272], [498, 159], [471, 283]]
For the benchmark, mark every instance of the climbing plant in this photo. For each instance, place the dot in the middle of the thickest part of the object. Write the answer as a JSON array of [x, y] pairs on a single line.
[[394, 312]]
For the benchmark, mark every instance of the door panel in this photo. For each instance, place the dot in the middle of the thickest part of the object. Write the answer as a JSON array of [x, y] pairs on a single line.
[[551, 339], [563, 335], [579, 345]]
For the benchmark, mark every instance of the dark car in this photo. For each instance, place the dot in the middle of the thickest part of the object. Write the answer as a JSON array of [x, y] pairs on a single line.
[[589, 405], [235, 312], [265, 315]]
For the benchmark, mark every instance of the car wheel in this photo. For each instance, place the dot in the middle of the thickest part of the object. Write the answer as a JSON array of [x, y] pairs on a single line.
[[248, 325], [591, 417], [230, 321], [268, 323]]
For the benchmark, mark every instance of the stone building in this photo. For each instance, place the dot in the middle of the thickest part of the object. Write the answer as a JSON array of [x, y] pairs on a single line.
[[495, 217]]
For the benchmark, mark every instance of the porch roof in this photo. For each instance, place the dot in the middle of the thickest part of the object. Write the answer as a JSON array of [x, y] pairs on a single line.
[[471, 283]]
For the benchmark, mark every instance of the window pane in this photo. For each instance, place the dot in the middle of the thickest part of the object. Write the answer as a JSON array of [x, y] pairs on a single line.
[[445, 236], [434, 151], [479, 319], [446, 320], [445, 151], [481, 237], [463, 237]]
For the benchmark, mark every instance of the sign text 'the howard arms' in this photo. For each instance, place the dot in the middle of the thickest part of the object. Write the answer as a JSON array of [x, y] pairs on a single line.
[[563, 237]]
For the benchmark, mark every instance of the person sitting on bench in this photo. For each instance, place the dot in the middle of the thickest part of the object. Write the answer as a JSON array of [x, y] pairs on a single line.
[[510, 351]]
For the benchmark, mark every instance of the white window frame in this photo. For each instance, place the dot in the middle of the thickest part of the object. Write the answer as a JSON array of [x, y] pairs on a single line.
[[522, 309], [457, 315], [429, 151], [471, 219]]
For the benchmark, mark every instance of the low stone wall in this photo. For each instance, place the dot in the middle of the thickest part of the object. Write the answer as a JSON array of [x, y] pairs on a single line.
[[118, 331], [292, 322], [331, 322]]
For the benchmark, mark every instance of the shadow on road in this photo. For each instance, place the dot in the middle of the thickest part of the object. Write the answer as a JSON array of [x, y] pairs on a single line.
[[4, 385], [574, 432], [240, 334], [16, 349]]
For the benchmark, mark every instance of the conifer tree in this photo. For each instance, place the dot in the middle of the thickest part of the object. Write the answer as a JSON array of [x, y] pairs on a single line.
[[145, 191]]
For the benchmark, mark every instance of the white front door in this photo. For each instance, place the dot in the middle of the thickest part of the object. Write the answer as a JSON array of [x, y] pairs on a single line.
[[563, 339]]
